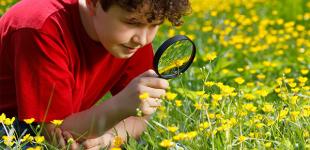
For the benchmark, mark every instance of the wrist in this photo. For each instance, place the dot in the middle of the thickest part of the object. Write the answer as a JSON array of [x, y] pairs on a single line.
[[124, 106]]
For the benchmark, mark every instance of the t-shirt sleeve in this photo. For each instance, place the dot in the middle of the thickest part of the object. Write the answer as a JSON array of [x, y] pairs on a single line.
[[139, 63], [42, 78]]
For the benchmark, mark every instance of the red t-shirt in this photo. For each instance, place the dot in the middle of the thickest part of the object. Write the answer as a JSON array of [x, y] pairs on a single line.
[[49, 63]]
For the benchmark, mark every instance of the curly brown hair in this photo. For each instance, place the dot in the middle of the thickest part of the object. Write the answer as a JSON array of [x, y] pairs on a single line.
[[173, 10]]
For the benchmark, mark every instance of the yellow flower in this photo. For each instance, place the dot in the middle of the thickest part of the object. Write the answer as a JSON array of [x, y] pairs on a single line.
[[8, 140], [180, 136], [270, 122], [57, 122], [39, 139], [249, 107], [171, 96], [242, 113], [198, 106], [70, 140], [211, 115], [263, 93], [268, 144], [250, 84], [294, 100], [249, 96], [306, 88], [292, 84], [191, 36], [9, 121], [279, 81], [167, 143], [277, 90], [172, 129], [306, 134], [287, 70], [171, 32], [162, 115], [2, 117], [178, 103], [251, 134], [302, 79], [294, 115], [268, 108], [210, 56], [209, 83], [261, 76], [27, 138], [116, 148], [219, 116], [217, 97], [200, 93], [117, 141], [204, 125], [239, 80], [304, 71], [227, 90], [35, 148], [192, 134], [259, 125], [144, 96], [240, 69], [283, 113], [29, 121], [242, 138]]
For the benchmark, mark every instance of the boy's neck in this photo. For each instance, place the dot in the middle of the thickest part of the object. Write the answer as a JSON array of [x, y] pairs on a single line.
[[87, 20]]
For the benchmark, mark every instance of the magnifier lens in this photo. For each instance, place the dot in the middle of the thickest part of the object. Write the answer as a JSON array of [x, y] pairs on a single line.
[[175, 58]]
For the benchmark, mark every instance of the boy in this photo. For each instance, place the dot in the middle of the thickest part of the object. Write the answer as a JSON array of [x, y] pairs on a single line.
[[58, 57]]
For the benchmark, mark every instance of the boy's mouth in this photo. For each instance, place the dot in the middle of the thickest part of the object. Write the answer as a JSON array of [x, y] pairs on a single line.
[[130, 47]]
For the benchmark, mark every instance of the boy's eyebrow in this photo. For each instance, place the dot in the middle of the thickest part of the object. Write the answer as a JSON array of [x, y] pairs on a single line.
[[133, 19]]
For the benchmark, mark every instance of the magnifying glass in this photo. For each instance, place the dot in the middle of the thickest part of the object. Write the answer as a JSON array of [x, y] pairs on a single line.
[[174, 56]]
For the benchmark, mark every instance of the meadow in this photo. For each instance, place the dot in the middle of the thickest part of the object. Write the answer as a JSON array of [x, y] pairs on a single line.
[[248, 87]]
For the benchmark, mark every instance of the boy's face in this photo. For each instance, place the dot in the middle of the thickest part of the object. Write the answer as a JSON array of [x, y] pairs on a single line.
[[121, 32]]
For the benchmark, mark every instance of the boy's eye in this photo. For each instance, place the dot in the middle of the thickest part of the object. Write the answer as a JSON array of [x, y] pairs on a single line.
[[133, 23]]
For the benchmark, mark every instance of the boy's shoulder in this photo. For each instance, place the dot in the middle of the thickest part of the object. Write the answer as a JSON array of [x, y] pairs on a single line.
[[34, 13]]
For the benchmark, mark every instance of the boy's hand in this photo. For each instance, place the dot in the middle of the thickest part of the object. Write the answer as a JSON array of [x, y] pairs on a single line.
[[147, 82], [59, 138], [103, 141]]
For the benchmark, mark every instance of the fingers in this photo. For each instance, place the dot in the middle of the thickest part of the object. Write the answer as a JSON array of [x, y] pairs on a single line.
[[97, 143], [94, 148], [60, 138], [152, 82], [147, 110], [154, 93], [151, 102], [150, 105], [74, 145], [90, 143], [149, 73]]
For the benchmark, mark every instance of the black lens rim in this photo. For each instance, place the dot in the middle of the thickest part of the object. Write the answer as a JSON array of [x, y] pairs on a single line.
[[163, 48]]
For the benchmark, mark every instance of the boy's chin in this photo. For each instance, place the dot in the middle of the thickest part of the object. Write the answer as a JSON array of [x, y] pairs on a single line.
[[123, 56]]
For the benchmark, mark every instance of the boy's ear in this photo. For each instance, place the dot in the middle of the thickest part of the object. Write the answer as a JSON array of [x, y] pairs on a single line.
[[91, 7]]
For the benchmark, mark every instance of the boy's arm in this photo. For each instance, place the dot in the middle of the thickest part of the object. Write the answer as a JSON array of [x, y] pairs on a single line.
[[132, 126], [95, 121], [98, 119], [87, 124]]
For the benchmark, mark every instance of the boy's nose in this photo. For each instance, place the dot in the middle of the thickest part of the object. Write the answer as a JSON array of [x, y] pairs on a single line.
[[140, 38]]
